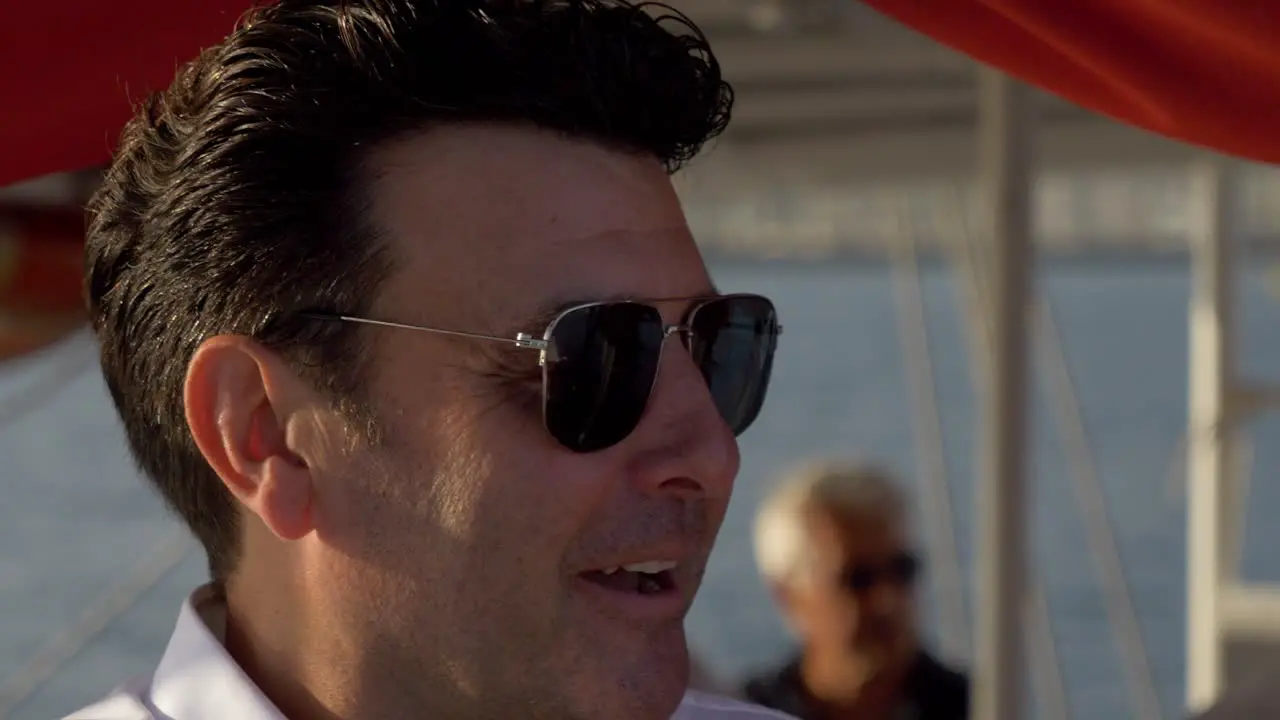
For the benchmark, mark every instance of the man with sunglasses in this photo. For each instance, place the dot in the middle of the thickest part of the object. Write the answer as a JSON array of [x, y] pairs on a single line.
[[402, 317], [832, 544]]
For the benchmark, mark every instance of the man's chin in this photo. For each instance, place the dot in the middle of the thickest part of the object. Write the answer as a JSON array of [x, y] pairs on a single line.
[[880, 656], [646, 695], [640, 678]]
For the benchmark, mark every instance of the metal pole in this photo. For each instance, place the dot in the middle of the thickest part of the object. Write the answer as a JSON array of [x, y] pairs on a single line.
[[1211, 372], [1004, 159], [972, 286]]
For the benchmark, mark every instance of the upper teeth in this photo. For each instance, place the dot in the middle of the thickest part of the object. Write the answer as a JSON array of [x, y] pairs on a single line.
[[651, 567]]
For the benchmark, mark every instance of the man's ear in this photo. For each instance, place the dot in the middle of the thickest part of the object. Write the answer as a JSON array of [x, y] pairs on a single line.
[[785, 596], [240, 400], [782, 594]]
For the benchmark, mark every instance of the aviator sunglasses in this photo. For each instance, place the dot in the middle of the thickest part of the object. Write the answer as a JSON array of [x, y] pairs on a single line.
[[899, 570], [600, 361]]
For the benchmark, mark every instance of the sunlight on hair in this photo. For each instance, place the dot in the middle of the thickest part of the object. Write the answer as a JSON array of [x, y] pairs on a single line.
[[847, 487]]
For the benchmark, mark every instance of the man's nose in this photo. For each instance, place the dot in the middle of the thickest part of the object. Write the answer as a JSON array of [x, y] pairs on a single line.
[[682, 444]]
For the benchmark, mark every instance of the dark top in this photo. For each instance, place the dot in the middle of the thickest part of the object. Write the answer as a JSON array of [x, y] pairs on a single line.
[[932, 692]]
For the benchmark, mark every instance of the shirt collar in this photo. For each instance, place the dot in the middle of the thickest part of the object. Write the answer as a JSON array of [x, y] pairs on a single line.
[[197, 679]]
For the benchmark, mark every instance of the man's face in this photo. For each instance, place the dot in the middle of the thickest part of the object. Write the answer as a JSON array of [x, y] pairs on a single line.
[[463, 539], [858, 600]]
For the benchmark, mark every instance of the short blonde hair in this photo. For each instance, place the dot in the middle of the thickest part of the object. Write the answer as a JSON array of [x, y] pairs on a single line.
[[845, 487]]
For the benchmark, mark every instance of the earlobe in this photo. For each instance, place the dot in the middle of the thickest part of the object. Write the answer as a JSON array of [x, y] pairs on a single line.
[[784, 597], [785, 600], [781, 593], [237, 413]]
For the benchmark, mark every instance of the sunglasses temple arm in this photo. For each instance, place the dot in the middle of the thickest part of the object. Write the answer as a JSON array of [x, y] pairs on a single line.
[[523, 340]]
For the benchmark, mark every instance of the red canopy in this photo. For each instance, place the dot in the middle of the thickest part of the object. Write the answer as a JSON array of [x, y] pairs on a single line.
[[71, 69], [1204, 71]]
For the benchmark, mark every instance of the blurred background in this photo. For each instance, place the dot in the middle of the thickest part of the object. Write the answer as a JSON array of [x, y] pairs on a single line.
[[844, 190]]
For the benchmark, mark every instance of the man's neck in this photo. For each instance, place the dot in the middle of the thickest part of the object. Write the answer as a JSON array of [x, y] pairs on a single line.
[[270, 659], [845, 687], [311, 674]]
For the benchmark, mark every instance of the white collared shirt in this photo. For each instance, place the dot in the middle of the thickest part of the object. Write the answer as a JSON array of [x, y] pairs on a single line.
[[197, 680]]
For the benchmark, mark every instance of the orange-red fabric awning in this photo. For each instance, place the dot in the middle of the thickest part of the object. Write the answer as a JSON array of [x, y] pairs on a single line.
[[1203, 71]]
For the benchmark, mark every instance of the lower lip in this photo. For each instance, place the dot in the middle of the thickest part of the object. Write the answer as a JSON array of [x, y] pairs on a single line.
[[665, 605]]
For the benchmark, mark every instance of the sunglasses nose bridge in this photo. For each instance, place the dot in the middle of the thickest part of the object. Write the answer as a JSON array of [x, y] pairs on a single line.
[[681, 329]]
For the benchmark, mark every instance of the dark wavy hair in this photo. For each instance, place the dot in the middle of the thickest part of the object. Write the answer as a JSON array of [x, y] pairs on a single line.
[[234, 200]]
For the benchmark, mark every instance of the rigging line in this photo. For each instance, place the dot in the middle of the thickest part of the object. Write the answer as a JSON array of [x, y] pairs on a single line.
[[1050, 688], [93, 620], [1098, 524], [1047, 672], [929, 440], [1092, 504]]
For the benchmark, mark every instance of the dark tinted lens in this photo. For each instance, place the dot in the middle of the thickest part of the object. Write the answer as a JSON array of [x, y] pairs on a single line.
[[860, 579], [904, 568], [600, 372], [900, 570], [732, 340]]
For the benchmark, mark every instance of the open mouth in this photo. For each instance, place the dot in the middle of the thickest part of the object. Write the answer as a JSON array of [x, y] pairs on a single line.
[[646, 578]]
